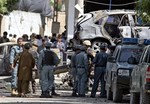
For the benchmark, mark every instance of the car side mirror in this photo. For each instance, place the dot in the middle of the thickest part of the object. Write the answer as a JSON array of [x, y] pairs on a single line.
[[111, 59], [132, 60]]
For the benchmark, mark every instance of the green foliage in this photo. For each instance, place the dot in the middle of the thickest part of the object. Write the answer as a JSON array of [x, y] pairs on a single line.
[[7, 5], [3, 8], [143, 8]]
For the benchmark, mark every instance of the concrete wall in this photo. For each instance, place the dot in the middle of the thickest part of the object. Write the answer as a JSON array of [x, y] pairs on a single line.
[[19, 23]]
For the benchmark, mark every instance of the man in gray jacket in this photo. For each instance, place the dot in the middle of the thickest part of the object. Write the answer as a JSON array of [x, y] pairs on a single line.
[[82, 71], [100, 62]]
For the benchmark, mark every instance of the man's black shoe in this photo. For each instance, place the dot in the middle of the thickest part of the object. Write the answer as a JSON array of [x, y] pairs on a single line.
[[103, 96], [92, 96], [74, 94], [45, 96], [55, 94], [81, 95]]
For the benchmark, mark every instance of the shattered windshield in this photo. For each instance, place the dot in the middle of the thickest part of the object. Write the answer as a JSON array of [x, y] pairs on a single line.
[[113, 19], [128, 52]]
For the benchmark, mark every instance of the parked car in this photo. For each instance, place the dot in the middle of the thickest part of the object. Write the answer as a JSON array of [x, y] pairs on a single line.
[[4, 57], [118, 70], [140, 79], [108, 26]]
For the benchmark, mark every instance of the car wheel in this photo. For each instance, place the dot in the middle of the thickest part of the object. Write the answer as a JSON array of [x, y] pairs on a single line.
[[109, 94], [96, 44], [144, 97], [117, 94], [134, 98]]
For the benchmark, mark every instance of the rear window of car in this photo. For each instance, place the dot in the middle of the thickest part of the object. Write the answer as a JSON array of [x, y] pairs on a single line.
[[128, 52]]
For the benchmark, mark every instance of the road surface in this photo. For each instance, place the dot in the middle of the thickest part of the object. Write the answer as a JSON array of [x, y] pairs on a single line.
[[64, 98]]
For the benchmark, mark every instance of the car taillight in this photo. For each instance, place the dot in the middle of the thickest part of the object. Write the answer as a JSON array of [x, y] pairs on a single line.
[[148, 74]]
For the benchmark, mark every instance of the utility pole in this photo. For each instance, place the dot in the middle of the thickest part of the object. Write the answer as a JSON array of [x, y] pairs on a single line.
[[55, 23], [110, 4], [71, 15]]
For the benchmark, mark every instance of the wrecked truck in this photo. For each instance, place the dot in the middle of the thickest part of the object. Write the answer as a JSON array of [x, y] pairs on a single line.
[[109, 26]]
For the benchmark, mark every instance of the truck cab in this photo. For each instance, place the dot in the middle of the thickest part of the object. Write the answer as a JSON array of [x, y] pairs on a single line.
[[118, 70]]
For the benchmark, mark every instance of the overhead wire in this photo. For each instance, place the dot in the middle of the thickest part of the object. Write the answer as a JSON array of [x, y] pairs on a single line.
[[111, 4]]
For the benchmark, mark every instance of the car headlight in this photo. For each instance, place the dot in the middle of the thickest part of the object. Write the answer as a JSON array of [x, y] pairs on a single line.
[[123, 72]]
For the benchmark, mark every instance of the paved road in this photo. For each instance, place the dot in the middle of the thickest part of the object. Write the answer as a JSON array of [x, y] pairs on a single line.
[[64, 98]]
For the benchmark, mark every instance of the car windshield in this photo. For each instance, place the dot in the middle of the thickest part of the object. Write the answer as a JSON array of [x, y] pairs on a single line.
[[128, 52]]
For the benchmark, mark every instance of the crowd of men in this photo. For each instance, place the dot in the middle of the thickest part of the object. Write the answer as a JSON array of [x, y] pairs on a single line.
[[24, 58], [83, 60]]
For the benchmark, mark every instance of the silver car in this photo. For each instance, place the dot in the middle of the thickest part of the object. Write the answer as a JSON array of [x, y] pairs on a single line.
[[4, 57]]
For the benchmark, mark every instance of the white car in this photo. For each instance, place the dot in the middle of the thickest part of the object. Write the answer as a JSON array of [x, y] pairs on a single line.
[[107, 26]]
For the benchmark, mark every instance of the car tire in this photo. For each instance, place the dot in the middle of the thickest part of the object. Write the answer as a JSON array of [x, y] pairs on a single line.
[[109, 94], [96, 44], [144, 97], [117, 94], [134, 98]]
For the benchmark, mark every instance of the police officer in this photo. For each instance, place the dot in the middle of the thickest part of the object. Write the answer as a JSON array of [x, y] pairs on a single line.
[[47, 60], [15, 50], [100, 62], [82, 71], [74, 70]]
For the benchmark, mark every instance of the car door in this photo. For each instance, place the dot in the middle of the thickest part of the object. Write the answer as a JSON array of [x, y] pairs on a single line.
[[137, 73], [145, 65], [2, 51], [124, 27], [6, 62]]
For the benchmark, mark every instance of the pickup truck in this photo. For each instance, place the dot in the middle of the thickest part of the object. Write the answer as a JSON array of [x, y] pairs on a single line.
[[140, 79], [118, 71]]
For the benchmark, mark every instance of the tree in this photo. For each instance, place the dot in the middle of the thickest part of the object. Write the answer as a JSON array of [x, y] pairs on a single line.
[[143, 8], [7, 5]]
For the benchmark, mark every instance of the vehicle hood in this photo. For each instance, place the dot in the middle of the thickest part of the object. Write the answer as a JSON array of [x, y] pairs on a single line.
[[125, 65]]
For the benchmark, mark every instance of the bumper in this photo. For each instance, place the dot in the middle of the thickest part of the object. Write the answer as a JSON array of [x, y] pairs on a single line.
[[123, 82]]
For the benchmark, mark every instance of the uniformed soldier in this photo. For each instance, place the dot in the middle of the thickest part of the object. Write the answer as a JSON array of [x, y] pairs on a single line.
[[82, 71], [47, 60], [100, 62], [74, 70], [15, 50]]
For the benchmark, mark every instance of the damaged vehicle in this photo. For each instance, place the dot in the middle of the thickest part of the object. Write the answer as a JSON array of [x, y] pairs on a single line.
[[108, 26]]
